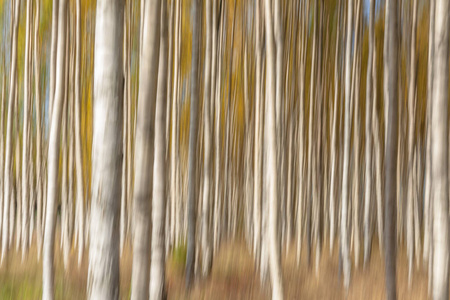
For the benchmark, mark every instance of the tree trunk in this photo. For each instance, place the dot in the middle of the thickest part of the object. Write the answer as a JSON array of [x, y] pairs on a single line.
[[192, 159], [8, 148], [270, 138], [53, 158], [390, 64], [257, 186], [158, 266], [103, 273], [39, 179], [439, 154], [411, 131], [206, 235], [144, 149], [345, 176]]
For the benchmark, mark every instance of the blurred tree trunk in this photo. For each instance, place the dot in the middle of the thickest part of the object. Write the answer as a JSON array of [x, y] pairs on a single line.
[[206, 236], [39, 177], [390, 64], [79, 210], [333, 179], [126, 103], [192, 156], [270, 137], [53, 158], [53, 56], [144, 148], [368, 145], [25, 145], [257, 187], [427, 220], [439, 154], [158, 256], [301, 133], [103, 273], [411, 134], [344, 247], [174, 151]]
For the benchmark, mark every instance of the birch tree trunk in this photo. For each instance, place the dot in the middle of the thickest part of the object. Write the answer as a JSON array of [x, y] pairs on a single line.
[[390, 64], [144, 149], [53, 55], [103, 273], [368, 133], [427, 232], [8, 148], [53, 159], [174, 151], [25, 146], [257, 187], [79, 210], [158, 266], [411, 131], [333, 150], [206, 235], [192, 159], [345, 176], [439, 148], [271, 154], [39, 179]]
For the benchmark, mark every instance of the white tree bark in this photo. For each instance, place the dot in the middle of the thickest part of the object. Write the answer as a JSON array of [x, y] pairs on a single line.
[[144, 149], [53, 159], [206, 235], [271, 154], [158, 257], [427, 232], [79, 210], [345, 176], [439, 145], [257, 186], [39, 179], [8, 149], [368, 133], [53, 56], [103, 273], [25, 146]]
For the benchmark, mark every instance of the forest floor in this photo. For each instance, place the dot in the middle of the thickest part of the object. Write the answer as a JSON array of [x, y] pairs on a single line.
[[233, 277]]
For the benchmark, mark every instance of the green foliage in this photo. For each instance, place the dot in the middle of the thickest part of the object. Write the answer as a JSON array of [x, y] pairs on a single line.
[[179, 256]]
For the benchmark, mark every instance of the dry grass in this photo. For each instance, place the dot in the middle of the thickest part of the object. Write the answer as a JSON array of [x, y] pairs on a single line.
[[233, 277]]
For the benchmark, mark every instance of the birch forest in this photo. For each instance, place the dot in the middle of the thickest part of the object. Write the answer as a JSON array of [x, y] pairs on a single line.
[[224, 149]]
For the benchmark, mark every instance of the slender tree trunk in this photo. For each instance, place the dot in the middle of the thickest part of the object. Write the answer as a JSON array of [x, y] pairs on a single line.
[[78, 157], [192, 159], [411, 126], [53, 55], [144, 150], [270, 137], [39, 179], [158, 266], [206, 235], [333, 150], [53, 158], [25, 146], [390, 65], [439, 148], [103, 273], [345, 177], [257, 186], [427, 235], [175, 138], [368, 133]]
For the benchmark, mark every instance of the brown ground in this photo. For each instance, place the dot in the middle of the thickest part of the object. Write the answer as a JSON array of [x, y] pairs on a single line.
[[233, 277]]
